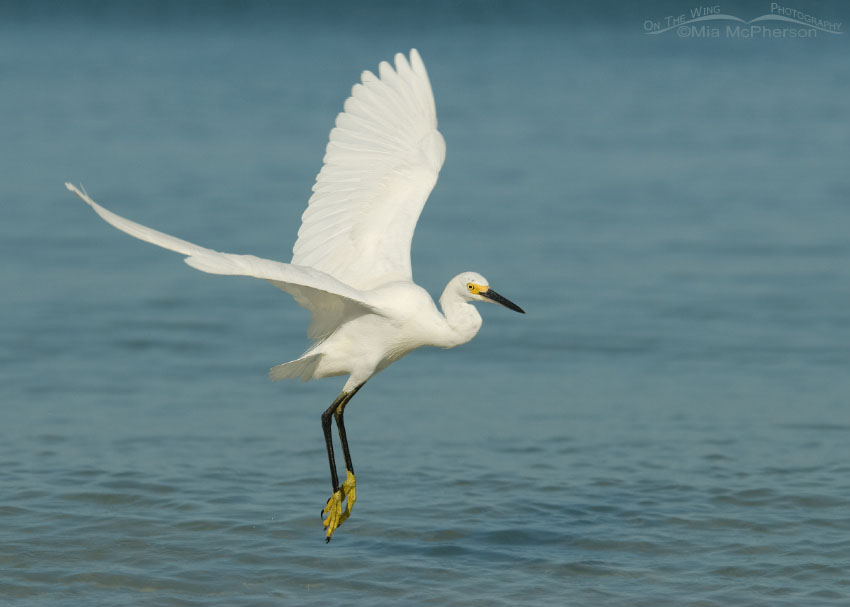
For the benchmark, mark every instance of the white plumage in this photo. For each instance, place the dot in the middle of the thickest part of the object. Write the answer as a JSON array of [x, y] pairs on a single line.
[[351, 262], [380, 165]]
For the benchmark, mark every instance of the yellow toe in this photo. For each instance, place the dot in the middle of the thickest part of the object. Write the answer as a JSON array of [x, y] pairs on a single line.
[[349, 488], [333, 510], [333, 514]]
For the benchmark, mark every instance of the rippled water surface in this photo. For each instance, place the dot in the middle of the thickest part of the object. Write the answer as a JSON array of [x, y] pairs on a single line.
[[668, 425]]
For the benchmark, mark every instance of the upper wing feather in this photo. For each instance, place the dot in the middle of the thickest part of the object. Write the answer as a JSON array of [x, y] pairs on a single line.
[[380, 165]]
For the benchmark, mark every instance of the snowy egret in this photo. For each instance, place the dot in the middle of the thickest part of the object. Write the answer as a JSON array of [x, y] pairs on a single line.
[[351, 262]]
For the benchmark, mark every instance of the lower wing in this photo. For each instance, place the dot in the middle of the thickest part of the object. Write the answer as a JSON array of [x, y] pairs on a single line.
[[313, 289]]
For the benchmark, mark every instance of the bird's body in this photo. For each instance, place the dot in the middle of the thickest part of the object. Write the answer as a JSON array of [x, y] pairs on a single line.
[[351, 262], [368, 344], [407, 319]]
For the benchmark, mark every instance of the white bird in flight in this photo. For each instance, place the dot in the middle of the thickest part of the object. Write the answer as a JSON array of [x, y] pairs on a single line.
[[351, 262]]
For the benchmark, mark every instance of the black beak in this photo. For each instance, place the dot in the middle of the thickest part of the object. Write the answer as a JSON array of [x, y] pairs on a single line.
[[493, 296]]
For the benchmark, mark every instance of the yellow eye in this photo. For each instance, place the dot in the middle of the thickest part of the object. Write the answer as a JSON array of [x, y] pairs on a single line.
[[470, 286]]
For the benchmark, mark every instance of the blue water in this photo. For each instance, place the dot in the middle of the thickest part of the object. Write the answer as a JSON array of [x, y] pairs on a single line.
[[668, 425]]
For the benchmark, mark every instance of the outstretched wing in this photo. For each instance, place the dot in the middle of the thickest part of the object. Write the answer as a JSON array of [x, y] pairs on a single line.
[[380, 165], [329, 300]]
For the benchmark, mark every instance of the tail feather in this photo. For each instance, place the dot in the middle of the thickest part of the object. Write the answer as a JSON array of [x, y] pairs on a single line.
[[301, 368]]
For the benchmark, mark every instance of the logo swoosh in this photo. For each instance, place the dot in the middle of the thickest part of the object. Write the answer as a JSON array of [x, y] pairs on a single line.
[[739, 20]]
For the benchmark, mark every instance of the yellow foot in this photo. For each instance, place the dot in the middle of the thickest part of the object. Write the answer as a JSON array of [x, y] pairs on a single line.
[[333, 509]]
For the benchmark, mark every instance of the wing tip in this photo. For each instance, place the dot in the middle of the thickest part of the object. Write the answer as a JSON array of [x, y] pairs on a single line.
[[416, 62], [82, 195], [72, 188]]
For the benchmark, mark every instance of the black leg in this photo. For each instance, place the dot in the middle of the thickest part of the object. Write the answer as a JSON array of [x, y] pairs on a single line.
[[329, 443], [340, 426], [346, 494]]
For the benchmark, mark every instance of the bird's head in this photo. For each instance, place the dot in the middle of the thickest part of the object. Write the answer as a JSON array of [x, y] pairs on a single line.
[[471, 286]]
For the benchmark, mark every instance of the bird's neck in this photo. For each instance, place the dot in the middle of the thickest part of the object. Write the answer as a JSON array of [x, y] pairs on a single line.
[[462, 318]]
